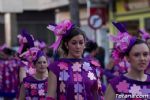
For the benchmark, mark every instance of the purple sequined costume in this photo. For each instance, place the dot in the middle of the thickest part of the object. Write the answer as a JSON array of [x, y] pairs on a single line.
[[129, 87], [35, 89], [9, 77], [77, 79]]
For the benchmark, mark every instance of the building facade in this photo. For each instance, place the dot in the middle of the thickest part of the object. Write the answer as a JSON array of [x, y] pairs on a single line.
[[134, 13]]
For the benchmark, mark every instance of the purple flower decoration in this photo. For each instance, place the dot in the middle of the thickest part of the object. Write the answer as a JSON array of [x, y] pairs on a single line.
[[144, 34], [123, 87], [63, 75], [60, 30], [86, 66], [78, 88], [123, 41]]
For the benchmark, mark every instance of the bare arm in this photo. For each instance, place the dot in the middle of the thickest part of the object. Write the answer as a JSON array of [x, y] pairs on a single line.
[[22, 74], [22, 93], [110, 93], [52, 84]]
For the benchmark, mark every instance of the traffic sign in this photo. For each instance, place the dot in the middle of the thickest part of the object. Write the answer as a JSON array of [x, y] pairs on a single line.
[[95, 21]]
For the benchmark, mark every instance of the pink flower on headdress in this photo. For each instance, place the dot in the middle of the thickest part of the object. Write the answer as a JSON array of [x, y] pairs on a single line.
[[39, 44], [22, 39], [122, 42], [144, 34], [60, 30], [36, 43], [30, 54], [42, 44]]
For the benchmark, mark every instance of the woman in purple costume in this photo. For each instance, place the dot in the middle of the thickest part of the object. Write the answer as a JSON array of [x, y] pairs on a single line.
[[34, 87], [135, 84], [72, 77]]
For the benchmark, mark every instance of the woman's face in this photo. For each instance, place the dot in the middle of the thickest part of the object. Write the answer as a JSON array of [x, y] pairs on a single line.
[[41, 64], [139, 57], [76, 46]]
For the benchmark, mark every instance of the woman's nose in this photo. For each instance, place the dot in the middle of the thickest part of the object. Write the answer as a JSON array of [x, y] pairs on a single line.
[[78, 45], [142, 57]]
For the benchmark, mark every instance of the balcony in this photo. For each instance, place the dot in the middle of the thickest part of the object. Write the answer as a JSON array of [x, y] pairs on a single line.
[[38, 5]]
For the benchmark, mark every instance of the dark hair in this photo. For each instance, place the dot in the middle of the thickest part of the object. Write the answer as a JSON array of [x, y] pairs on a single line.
[[136, 41], [73, 32], [8, 51], [91, 46]]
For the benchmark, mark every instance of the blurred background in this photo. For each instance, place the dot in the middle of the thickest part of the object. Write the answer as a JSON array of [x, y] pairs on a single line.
[[93, 16]]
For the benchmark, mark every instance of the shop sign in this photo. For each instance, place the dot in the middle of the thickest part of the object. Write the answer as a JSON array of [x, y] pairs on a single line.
[[137, 4]]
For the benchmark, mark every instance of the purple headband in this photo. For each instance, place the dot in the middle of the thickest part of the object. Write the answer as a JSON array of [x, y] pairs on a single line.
[[39, 54], [123, 41], [59, 31]]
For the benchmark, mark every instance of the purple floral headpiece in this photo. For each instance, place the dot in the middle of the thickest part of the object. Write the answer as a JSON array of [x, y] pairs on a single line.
[[25, 37], [30, 54], [59, 31], [123, 42], [144, 34], [40, 44]]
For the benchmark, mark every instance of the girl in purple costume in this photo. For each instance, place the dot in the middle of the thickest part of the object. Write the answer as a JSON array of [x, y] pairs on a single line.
[[72, 77], [135, 84], [34, 87]]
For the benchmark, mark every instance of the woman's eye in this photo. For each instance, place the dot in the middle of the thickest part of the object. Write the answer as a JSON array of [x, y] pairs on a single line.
[[73, 43], [44, 62], [136, 54], [145, 54], [39, 62], [81, 42]]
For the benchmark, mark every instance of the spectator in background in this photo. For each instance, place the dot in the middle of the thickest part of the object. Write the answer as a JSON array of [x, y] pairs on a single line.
[[100, 56], [91, 49]]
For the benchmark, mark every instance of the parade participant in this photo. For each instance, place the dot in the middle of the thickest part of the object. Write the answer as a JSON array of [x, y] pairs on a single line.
[[91, 49], [133, 85], [34, 87], [73, 77], [146, 37], [9, 74], [26, 42], [115, 66]]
